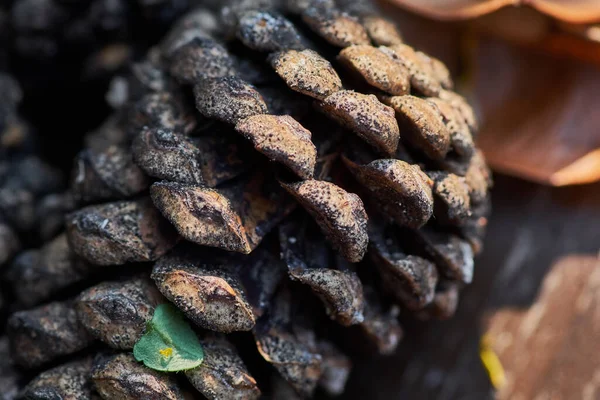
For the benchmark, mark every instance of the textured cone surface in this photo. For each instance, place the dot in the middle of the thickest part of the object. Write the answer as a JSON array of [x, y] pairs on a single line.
[[287, 174]]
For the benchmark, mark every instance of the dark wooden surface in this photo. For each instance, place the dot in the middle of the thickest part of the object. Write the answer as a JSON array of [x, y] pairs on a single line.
[[531, 228]]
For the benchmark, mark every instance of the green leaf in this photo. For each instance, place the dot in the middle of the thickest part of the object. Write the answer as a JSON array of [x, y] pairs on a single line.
[[169, 343]]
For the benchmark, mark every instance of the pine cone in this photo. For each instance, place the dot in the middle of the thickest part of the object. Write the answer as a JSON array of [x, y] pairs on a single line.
[[363, 195]]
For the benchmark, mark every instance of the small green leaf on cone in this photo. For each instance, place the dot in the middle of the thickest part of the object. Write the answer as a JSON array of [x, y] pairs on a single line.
[[169, 343]]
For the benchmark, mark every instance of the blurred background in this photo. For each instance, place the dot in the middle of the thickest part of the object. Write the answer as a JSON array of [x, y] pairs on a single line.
[[529, 325]]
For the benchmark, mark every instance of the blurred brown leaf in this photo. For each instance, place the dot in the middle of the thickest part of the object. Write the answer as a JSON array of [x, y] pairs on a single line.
[[548, 350], [576, 11], [541, 114]]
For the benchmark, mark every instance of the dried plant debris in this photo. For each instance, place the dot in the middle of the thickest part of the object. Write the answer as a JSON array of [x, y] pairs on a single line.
[[117, 312], [298, 362], [422, 125], [410, 279], [198, 59], [42, 334], [107, 175], [122, 377], [366, 116], [422, 76], [452, 255], [228, 99], [453, 204], [69, 381], [403, 190], [306, 72], [120, 232], [377, 69], [267, 31], [164, 154], [337, 28], [341, 215], [38, 274], [308, 259], [282, 139], [222, 375], [381, 31], [211, 296]]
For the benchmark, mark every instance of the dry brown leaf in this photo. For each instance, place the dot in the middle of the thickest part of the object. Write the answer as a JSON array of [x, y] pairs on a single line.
[[545, 349], [577, 11], [540, 114]]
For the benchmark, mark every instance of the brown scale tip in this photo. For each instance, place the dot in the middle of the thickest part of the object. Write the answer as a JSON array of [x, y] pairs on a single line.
[[68, 381], [43, 334], [120, 232], [122, 377], [453, 204], [36, 275], [336, 368], [341, 215], [337, 28], [381, 31], [267, 31], [478, 178], [377, 68], [282, 139], [461, 105], [200, 58], [201, 215], [422, 77], [460, 134], [117, 312], [222, 374], [373, 121], [422, 125], [109, 174], [452, 255], [306, 72], [340, 291], [164, 154], [437, 69], [410, 279], [211, 297], [228, 99], [402, 189]]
